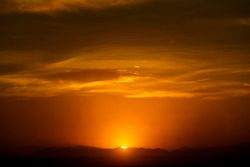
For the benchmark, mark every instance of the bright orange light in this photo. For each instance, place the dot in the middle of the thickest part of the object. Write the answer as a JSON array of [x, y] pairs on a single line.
[[124, 147]]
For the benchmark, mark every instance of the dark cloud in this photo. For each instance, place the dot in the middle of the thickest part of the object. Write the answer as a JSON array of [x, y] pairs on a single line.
[[188, 23], [90, 75], [11, 68]]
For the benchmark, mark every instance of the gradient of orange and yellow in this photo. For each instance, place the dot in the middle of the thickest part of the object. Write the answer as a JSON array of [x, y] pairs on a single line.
[[136, 73]]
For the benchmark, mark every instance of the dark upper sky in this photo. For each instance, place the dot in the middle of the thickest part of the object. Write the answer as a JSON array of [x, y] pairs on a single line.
[[150, 52]]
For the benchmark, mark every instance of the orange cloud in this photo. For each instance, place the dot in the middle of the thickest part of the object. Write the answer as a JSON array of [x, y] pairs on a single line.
[[153, 73], [63, 5]]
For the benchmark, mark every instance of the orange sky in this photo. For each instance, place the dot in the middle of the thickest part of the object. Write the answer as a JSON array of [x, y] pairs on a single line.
[[143, 73]]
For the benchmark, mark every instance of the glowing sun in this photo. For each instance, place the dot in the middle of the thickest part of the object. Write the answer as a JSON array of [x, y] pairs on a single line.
[[124, 147]]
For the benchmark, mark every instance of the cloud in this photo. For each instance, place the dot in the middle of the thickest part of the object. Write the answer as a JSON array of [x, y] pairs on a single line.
[[244, 21], [169, 77], [160, 49], [10, 68], [61, 5], [160, 22], [86, 75]]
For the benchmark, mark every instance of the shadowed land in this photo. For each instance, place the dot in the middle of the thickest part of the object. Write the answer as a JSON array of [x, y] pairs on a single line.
[[90, 156]]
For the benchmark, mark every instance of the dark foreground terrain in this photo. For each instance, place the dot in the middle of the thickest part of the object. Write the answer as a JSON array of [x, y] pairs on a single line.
[[88, 156]]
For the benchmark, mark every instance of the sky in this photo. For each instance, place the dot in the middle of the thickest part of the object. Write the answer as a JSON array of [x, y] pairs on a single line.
[[142, 73]]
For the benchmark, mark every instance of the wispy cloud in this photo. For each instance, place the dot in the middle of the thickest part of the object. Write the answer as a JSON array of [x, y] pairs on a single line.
[[131, 78], [61, 5]]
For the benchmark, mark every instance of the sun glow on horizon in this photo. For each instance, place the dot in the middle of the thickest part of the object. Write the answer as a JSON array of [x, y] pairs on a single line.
[[124, 147]]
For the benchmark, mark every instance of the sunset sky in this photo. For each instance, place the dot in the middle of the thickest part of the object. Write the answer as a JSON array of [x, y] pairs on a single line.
[[139, 73]]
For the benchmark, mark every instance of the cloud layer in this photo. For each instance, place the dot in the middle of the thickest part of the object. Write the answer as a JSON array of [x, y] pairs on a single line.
[[171, 75], [163, 48]]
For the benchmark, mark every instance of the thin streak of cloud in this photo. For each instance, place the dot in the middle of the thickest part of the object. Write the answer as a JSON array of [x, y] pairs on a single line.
[[62, 5], [126, 86]]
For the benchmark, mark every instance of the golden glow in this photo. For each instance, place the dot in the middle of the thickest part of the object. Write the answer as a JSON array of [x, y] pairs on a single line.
[[124, 147]]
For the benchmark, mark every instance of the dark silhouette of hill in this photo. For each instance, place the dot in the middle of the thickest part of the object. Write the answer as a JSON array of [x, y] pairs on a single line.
[[90, 156]]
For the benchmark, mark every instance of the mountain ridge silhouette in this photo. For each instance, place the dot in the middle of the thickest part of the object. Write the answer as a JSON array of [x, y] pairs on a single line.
[[76, 156]]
